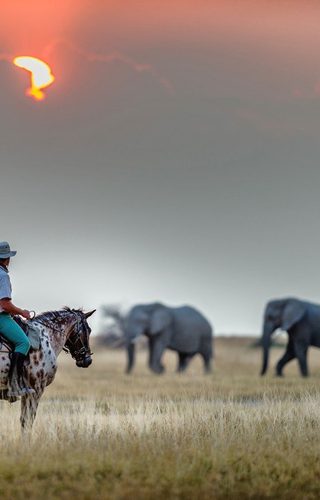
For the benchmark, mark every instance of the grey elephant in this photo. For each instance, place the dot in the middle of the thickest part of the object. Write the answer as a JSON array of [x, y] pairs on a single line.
[[302, 322], [181, 329]]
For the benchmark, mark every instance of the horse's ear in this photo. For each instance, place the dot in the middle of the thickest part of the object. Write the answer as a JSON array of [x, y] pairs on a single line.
[[88, 314]]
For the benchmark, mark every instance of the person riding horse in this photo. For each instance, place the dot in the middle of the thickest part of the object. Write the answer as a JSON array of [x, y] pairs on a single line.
[[9, 329]]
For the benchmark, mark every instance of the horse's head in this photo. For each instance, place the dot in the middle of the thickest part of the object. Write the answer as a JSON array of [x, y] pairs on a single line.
[[78, 339]]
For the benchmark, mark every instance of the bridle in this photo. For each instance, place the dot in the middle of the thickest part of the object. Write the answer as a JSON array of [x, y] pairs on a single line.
[[75, 345]]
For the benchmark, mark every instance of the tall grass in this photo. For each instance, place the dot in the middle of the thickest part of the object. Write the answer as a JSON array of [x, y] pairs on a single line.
[[101, 434]]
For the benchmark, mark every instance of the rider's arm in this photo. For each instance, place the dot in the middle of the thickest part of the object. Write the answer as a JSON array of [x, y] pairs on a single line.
[[10, 308]]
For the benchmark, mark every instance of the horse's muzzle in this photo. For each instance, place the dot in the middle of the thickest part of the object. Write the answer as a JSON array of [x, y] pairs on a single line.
[[84, 362]]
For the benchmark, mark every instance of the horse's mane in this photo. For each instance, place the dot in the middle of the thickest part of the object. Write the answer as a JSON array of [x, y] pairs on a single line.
[[54, 315]]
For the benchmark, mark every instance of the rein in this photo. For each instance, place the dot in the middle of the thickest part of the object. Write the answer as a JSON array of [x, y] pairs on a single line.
[[83, 350], [75, 353]]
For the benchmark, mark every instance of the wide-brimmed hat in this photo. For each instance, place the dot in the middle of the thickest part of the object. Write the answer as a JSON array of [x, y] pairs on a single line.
[[5, 250]]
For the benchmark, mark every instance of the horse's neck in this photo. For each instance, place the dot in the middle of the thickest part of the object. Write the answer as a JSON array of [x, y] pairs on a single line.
[[58, 338], [58, 333]]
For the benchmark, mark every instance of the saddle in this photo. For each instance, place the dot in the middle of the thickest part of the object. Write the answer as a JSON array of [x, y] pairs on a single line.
[[30, 330]]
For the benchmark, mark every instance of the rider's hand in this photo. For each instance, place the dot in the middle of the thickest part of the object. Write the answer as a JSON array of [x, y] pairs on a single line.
[[26, 314]]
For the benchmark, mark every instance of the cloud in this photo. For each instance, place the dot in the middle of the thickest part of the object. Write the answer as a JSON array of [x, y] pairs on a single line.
[[109, 58]]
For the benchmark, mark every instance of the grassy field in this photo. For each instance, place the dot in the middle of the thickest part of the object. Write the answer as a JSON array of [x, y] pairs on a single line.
[[100, 434]]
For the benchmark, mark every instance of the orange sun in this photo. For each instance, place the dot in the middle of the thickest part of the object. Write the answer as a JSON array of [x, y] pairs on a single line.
[[41, 75]]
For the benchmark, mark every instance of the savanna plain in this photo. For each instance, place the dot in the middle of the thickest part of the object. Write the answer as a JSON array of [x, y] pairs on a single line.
[[101, 434]]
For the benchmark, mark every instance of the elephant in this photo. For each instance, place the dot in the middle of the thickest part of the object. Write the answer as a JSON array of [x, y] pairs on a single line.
[[181, 329], [301, 320]]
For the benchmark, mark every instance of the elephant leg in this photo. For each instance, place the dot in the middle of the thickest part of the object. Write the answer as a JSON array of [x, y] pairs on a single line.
[[150, 352], [131, 357], [301, 353], [288, 356], [207, 362], [183, 361], [206, 352], [157, 350]]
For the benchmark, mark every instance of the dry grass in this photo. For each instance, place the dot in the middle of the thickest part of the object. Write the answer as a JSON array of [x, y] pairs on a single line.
[[101, 434]]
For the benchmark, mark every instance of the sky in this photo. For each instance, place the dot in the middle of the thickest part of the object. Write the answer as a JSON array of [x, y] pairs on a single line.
[[175, 157]]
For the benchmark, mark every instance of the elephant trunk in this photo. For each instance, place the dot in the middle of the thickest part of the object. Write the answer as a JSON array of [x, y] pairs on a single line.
[[266, 342], [131, 356]]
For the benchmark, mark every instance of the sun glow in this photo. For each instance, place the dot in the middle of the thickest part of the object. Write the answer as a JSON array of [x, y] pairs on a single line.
[[41, 75]]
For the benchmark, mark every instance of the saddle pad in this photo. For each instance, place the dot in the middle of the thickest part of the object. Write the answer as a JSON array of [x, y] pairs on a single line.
[[33, 334]]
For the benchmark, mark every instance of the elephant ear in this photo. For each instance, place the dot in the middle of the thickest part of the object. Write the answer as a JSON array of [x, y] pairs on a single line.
[[160, 319], [292, 313]]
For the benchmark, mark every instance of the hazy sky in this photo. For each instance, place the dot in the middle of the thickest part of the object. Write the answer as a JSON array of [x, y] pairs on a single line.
[[175, 158]]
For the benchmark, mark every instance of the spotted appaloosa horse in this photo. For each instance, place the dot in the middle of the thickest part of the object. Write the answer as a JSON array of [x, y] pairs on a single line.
[[59, 330]]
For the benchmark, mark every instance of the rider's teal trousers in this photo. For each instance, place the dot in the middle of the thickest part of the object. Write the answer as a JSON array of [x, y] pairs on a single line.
[[11, 331]]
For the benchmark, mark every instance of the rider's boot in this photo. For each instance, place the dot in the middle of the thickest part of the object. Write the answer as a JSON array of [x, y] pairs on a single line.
[[17, 386]]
